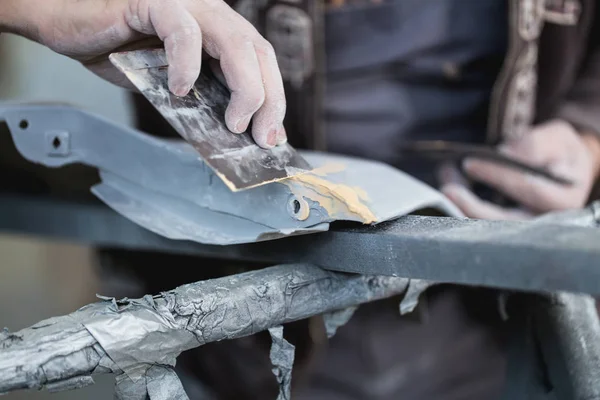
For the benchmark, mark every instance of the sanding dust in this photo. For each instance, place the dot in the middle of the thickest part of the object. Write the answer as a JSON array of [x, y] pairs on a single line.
[[339, 200]]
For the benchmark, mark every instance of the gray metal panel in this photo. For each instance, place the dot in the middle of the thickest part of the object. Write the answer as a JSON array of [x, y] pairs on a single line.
[[391, 192], [169, 173], [178, 219], [165, 166]]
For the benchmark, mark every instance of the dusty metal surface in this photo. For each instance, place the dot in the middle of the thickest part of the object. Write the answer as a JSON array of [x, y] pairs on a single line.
[[282, 358], [512, 255], [133, 338], [199, 118], [163, 186]]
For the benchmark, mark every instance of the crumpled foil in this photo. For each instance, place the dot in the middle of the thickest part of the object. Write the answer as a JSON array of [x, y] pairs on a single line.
[[158, 383], [139, 340], [336, 319], [282, 358], [410, 300]]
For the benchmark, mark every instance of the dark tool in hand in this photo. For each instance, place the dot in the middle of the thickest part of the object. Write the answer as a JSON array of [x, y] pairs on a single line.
[[439, 150], [199, 118]]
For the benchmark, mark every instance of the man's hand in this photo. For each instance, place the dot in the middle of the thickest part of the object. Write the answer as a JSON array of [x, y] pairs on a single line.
[[89, 30], [555, 146]]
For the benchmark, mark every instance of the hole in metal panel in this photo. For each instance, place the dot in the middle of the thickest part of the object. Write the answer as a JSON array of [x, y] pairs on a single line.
[[296, 206]]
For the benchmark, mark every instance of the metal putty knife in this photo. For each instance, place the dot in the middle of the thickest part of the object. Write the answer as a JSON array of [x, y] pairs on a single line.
[[200, 119]]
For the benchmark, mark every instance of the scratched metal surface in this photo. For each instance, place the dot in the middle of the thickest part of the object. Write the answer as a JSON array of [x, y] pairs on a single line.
[[199, 118]]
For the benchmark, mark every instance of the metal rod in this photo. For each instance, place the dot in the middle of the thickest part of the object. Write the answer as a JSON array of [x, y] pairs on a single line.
[[568, 328], [130, 336], [503, 254]]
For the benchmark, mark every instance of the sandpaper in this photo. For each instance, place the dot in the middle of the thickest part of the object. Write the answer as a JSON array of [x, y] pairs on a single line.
[[199, 118]]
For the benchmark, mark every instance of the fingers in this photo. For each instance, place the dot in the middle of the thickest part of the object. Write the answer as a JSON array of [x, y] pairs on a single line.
[[250, 68], [247, 60], [240, 66], [534, 192], [268, 121], [215, 67], [281, 137], [281, 134], [524, 188], [454, 186], [449, 173], [180, 32], [181, 35], [473, 207], [555, 146], [542, 145]]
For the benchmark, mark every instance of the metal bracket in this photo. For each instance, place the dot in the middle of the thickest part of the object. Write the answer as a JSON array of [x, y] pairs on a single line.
[[164, 186]]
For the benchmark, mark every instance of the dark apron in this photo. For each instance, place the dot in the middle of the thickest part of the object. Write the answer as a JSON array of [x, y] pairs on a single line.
[[398, 70], [412, 70], [408, 70]]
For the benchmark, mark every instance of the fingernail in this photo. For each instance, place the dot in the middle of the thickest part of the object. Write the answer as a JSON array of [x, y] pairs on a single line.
[[180, 90], [272, 137], [281, 137], [242, 125]]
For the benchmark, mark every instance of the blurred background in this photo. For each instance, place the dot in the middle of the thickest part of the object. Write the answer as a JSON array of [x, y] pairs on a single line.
[[41, 279]]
